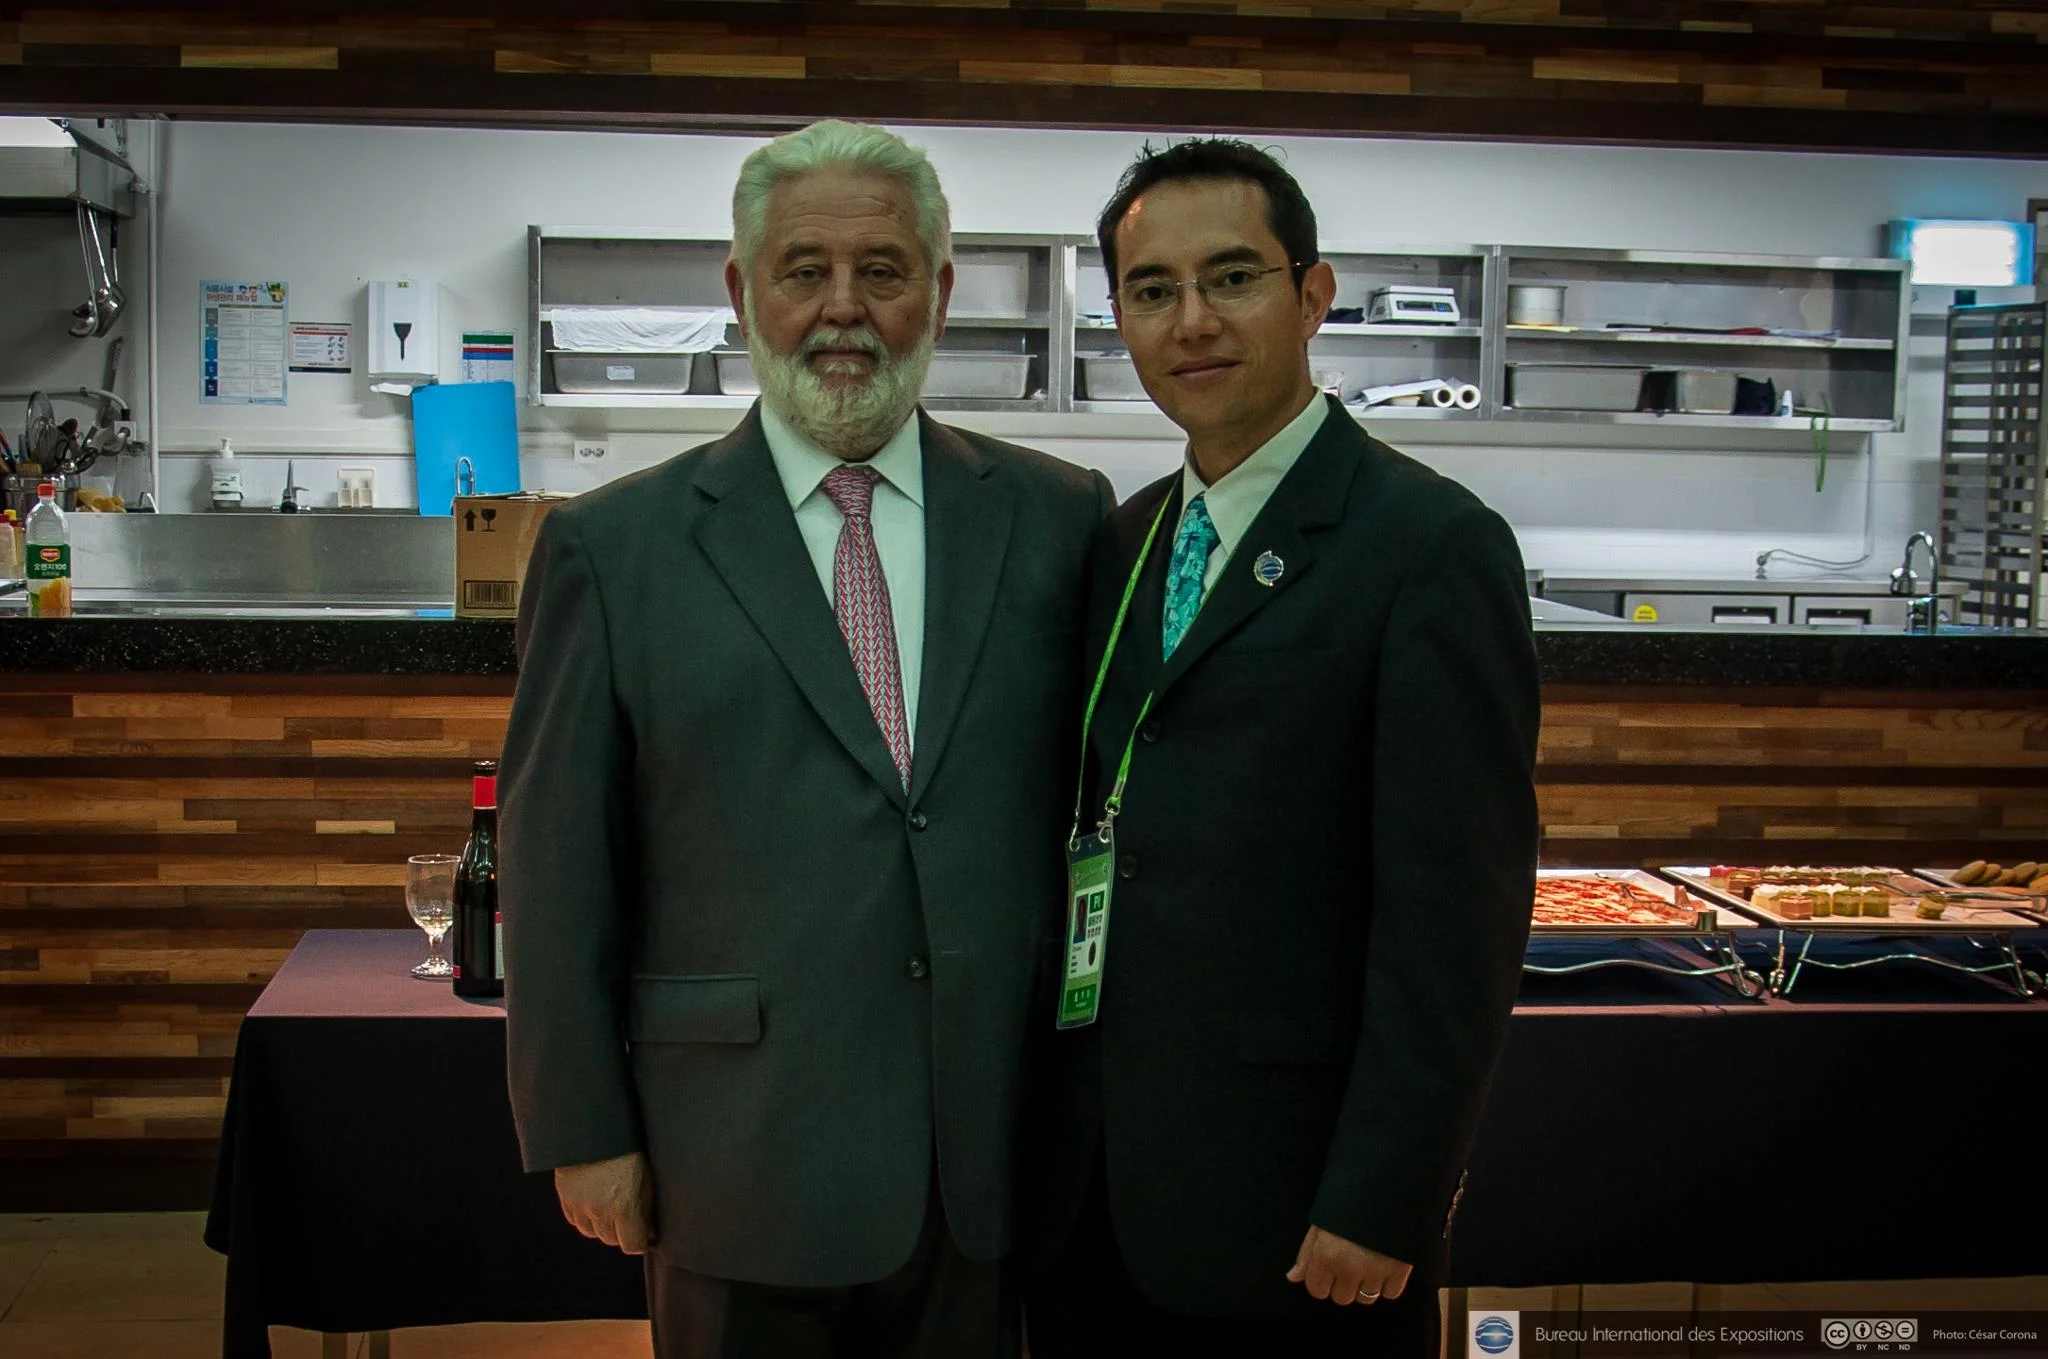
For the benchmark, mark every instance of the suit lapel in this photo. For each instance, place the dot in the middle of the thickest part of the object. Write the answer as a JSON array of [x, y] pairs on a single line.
[[1135, 667], [1311, 496], [751, 539], [967, 534]]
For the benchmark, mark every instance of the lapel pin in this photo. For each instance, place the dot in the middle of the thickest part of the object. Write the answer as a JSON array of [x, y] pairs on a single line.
[[1268, 568]]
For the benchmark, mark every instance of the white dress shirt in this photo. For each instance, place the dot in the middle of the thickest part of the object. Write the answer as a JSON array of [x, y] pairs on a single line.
[[1239, 494], [897, 517]]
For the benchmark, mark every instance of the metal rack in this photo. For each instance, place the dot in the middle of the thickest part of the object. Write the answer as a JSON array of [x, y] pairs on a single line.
[[1994, 434]]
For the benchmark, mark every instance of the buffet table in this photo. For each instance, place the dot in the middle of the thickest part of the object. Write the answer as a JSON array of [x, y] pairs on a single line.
[[1641, 1128]]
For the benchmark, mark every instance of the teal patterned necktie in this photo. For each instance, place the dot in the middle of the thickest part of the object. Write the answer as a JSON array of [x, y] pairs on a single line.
[[1191, 548]]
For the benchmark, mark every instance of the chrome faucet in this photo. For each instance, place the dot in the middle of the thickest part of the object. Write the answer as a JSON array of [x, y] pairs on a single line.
[[1924, 613], [290, 503]]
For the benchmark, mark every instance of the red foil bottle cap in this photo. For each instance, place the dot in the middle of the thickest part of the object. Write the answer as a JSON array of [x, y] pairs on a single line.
[[485, 792]]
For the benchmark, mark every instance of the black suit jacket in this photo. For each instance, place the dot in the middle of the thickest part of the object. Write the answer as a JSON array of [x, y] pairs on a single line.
[[1325, 866], [733, 940]]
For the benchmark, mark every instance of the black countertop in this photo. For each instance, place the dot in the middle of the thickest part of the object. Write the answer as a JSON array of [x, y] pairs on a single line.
[[428, 642]]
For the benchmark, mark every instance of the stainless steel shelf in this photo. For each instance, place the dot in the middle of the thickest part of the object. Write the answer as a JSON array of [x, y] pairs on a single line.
[[694, 401], [1675, 420], [1389, 332], [1393, 331], [642, 400], [1376, 413], [1583, 336]]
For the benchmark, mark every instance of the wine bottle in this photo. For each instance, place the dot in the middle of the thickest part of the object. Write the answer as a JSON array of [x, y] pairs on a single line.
[[478, 938]]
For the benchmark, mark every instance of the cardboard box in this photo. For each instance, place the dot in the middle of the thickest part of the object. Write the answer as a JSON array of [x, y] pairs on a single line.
[[494, 537]]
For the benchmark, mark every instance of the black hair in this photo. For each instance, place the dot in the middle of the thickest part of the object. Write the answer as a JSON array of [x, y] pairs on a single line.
[[1288, 214]]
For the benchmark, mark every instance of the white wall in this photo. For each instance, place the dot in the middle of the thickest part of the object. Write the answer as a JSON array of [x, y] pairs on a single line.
[[327, 208]]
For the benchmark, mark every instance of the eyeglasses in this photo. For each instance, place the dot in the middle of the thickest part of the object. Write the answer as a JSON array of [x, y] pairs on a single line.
[[1226, 285]]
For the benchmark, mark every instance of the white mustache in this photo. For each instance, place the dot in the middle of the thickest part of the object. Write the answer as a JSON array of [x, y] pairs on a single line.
[[864, 340]]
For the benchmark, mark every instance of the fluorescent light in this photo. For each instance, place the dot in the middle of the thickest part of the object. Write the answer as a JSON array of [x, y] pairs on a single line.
[[1952, 254]]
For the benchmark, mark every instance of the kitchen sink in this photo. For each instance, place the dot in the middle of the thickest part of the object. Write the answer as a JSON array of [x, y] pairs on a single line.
[[114, 604]]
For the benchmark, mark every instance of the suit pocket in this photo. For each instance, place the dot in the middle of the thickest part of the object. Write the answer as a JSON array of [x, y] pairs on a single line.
[[1294, 1040], [712, 1009]]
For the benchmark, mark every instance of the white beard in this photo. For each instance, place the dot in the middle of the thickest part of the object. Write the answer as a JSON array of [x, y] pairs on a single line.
[[850, 421]]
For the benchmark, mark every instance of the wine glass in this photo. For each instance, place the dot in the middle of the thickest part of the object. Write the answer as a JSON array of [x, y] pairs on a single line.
[[430, 896]]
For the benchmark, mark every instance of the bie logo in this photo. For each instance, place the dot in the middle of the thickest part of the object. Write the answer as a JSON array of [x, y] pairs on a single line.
[[1841, 1333], [50, 554], [1493, 1335]]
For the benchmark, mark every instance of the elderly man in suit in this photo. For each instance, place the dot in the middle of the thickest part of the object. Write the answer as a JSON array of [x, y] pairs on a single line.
[[781, 808], [1312, 766]]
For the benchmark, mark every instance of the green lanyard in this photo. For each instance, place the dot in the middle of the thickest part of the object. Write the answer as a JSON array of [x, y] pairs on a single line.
[[1115, 801]]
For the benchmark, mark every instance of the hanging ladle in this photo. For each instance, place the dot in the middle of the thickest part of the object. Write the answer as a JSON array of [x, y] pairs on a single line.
[[102, 307]]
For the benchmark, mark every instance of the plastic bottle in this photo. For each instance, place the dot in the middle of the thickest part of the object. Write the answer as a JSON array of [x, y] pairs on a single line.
[[49, 557], [10, 546], [227, 478]]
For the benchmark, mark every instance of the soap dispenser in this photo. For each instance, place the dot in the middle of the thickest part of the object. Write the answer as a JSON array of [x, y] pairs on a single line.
[[227, 478]]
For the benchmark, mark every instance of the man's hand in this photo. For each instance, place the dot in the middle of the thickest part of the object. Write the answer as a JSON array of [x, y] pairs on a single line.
[[1346, 1272], [612, 1201]]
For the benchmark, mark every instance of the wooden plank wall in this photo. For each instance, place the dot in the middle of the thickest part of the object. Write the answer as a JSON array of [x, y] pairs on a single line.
[[1847, 74], [161, 851], [162, 846]]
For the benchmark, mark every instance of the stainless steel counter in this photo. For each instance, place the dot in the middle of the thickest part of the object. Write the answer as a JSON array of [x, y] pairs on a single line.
[[213, 560]]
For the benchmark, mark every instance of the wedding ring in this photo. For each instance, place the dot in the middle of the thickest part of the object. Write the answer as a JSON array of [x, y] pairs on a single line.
[[1364, 1296]]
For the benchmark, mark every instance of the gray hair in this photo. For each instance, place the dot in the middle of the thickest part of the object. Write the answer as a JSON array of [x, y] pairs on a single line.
[[836, 145]]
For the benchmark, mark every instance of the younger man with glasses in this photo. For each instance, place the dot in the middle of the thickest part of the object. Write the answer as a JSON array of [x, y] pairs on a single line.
[[1309, 780]]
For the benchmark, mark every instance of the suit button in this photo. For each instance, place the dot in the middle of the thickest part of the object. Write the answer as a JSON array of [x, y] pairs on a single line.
[[917, 968], [1127, 865], [1150, 731], [917, 821]]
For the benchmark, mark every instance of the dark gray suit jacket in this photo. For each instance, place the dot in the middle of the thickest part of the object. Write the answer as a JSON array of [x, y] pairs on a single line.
[[732, 941], [1325, 866]]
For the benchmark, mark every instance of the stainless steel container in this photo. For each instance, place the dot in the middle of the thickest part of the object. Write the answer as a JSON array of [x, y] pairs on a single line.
[[1689, 391], [1536, 304], [1111, 377], [979, 377], [1574, 386], [665, 374], [18, 493]]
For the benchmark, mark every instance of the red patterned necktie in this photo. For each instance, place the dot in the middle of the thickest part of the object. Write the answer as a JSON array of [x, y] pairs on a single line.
[[860, 596]]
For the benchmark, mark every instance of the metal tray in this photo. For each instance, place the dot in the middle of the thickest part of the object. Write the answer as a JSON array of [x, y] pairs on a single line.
[[664, 374], [1111, 377], [1710, 916], [1963, 917], [1574, 386], [2032, 905]]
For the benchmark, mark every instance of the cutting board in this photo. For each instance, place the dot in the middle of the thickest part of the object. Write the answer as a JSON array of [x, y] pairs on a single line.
[[474, 420]]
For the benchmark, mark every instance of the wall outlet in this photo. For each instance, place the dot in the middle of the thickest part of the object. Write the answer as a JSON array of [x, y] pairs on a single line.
[[591, 449], [355, 488]]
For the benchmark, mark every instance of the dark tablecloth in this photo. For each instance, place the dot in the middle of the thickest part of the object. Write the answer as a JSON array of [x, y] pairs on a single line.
[[1641, 1128]]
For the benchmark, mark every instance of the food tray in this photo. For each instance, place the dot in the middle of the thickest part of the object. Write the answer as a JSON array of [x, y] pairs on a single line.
[[2033, 905], [1710, 917], [1574, 386], [1111, 377], [990, 284], [1962, 917], [653, 373], [980, 377]]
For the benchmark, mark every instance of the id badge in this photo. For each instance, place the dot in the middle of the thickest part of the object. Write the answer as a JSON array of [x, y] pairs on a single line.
[[1090, 864]]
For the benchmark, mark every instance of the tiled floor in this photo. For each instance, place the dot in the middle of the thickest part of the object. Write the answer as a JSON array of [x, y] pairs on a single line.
[[124, 1285], [144, 1286]]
